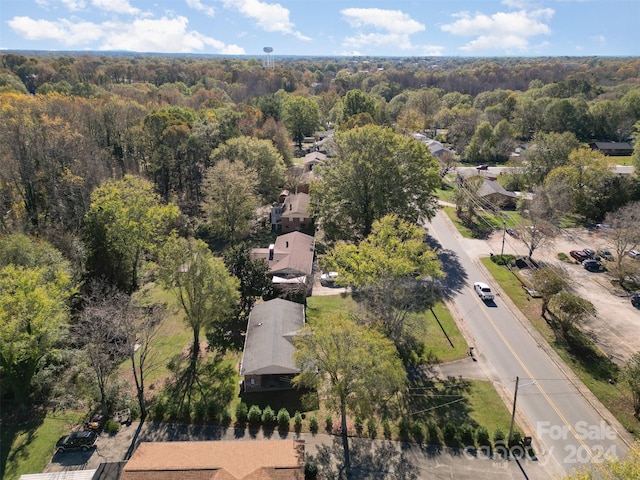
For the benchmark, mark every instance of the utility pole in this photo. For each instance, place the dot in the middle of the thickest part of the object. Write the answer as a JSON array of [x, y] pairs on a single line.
[[513, 413], [504, 232]]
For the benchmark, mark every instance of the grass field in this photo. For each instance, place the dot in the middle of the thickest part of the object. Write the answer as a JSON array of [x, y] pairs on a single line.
[[616, 398], [485, 222], [30, 445]]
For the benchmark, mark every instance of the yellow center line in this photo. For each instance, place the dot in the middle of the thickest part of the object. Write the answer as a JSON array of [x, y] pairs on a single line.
[[532, 378]]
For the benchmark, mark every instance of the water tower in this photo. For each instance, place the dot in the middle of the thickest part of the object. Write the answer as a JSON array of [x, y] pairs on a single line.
[[268, 61]]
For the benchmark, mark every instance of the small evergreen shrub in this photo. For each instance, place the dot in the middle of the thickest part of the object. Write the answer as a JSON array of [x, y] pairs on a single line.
[[255, 415], [242, 412], [268, 416], [482, 436], [498, 437], [372, 429], [467, 435], [297, 422], [313, 424], [417, 431], [450, 434], [112, 427], [359, 424], [328, 423], [504, 259], [403, 429], [516, 438], [433, 433], [386, 428], [283, 418], [310, 470]]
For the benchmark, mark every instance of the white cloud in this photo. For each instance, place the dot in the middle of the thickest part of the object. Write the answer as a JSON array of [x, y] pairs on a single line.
[[163, 35], [74, 5], [271, 17], [516, 3], [68, 33], [601, 39], [393, 21], [509, 32], [392, 28], [117, 6], [201, 7]]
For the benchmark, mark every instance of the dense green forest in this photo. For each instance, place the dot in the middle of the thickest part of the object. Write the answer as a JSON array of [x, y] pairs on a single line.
[[103, 156]]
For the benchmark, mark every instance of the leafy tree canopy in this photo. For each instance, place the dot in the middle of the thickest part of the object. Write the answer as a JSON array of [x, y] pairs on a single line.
[[375, 173]]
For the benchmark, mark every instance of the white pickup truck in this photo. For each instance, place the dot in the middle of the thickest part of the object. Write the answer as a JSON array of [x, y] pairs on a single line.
[[483, 290]]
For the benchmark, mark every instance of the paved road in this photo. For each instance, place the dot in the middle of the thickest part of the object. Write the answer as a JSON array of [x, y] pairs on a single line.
[[570, 430]]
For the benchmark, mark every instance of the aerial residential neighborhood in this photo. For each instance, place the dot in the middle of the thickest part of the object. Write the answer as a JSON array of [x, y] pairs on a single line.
[[318, 268]]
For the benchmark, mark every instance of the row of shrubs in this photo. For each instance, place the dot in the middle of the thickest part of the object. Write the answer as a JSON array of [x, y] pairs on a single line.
[[453, 435], [267, 417], [418, 431]]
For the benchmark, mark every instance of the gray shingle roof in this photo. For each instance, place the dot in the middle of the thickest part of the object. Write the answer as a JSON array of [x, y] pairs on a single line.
[[292, 255], [268, 348]]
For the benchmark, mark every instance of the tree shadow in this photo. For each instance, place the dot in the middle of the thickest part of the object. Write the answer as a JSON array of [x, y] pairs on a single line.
[[455, 276], [427, 395], [12, 426], [370, 460]]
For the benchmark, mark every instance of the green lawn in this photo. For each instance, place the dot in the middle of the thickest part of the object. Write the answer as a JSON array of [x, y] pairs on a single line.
[[594, 372], [31, 445], [485, 222]]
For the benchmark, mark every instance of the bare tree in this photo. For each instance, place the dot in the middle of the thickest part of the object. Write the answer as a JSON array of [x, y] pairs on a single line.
[[623, 233], [538, 214], [101, 332], [143, 325], [447, 162]]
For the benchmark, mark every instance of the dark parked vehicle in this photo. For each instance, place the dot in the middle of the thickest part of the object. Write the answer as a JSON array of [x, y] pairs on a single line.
[[590, 252], [77, 441], [579, 255], [635, 300], [591, 264], [482, 167]]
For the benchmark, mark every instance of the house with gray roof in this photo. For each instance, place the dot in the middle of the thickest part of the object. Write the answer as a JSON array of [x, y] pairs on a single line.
[[267, 359], [496, 194], [290, 257]]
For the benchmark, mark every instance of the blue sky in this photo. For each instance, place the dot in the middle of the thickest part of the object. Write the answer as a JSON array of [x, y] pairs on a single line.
[[326, 27]]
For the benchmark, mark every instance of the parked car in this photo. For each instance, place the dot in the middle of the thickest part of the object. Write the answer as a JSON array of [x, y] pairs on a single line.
[[635, 300], [77, 441], [513, 232], [591, 264], [633, 253], [482, 167], [605, 254], [483, 290], [579, 255], [328, 277], [590, 252]]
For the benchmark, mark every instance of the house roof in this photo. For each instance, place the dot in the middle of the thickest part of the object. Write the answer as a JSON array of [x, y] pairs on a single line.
[[612, 145], [296, 205], [268, 346], [292, 255], [216, 460], [490, 187], [315, 157]]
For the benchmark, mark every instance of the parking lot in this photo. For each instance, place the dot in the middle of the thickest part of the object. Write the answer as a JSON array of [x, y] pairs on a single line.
[[616, 326]]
